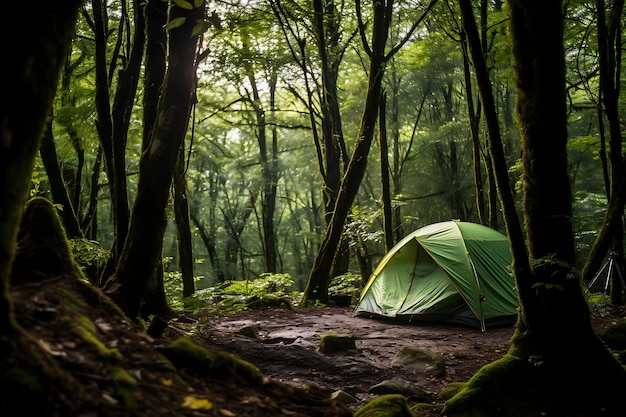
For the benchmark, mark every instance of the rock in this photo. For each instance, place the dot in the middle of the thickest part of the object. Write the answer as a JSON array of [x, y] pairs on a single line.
[[422, 360], [404, 388], [450, 391], [392, 405], [333, 343], [249, 331], [343, 397]]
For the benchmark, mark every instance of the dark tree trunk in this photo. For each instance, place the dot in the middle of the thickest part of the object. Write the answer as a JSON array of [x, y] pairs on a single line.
[[155, 301], [333, 148], [113, 120], [25, 105], [48, 153], [183, 227], [142, 250], [554, 322], [208, 238], [610, 53], [90, 223], [384, 173], [34, 55], [319, 279], [474, 120]]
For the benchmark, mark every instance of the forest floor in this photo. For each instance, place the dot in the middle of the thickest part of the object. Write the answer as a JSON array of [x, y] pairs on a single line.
[[288, 348], [115, 368]]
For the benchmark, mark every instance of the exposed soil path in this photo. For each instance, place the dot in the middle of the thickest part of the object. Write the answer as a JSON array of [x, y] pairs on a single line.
[[287, 348]]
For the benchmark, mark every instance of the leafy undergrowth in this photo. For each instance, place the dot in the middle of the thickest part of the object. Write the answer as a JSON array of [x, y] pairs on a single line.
[[113, 368]]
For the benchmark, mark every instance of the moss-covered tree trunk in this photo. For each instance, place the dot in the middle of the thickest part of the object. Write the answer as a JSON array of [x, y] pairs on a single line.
[[34, 55], [554, 354], [143, 245]]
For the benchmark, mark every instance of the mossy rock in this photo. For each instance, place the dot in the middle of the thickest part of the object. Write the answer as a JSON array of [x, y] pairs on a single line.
[[184, 353], [44, 250], [391, 405], [333, 343], [403, 388], [421, 360], [450, 390], [249, 331]]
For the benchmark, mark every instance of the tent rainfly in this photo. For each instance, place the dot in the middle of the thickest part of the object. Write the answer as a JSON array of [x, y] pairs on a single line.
[[454, 272]]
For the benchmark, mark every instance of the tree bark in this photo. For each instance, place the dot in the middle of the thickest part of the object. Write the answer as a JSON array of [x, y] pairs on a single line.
[[183, 227], [384, 174], [554, 325], [34, 57], [142, 249], [319, 278], [609, 48], [60, 195]]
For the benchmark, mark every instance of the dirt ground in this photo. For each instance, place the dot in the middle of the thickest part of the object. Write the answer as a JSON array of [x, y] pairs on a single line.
[[80, 331], [288, 348]]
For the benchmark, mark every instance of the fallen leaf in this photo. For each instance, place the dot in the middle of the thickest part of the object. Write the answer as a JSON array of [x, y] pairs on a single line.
[[193, 403]]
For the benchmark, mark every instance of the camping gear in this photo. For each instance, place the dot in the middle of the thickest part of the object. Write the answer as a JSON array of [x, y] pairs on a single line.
[[454, 272]]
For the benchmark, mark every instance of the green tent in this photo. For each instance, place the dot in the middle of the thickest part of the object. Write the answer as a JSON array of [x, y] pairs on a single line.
[[455, 272]]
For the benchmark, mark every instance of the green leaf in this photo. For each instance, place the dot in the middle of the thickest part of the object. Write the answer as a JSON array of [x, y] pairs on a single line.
[[175, 23], [197, 3], [201, 27], [183, 4]]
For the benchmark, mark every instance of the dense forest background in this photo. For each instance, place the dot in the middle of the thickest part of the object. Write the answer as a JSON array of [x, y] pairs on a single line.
[[267, 144]]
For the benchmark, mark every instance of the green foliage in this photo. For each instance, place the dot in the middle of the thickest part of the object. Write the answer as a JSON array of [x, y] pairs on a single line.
[[348, 283], [265, 284], [89, 255], [233, 296]]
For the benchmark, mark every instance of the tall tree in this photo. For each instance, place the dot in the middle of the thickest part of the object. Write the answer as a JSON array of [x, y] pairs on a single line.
[[553, 327], [37, 54], [610, 57], [319, 279], [142, 249], [114, 111]]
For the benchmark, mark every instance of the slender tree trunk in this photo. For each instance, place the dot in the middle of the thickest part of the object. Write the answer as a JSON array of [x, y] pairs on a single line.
[[474, 118], [319, 279], [60, 195], [610, 52], [384, 173], [183, 227], [90, 221], [142, 250], [208, 238]]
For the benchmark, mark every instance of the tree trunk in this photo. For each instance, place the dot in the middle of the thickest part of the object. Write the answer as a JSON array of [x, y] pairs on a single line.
[[36, 55], [208, 238], [327, 34], [183, 227], [554, 327], [60, 195], [384, 173], [142, 250], [610, 52], [474, 120], [319, 279]]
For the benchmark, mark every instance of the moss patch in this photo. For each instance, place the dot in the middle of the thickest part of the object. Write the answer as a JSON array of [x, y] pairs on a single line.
[[184, 353], [391, 405], [333, 343]]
